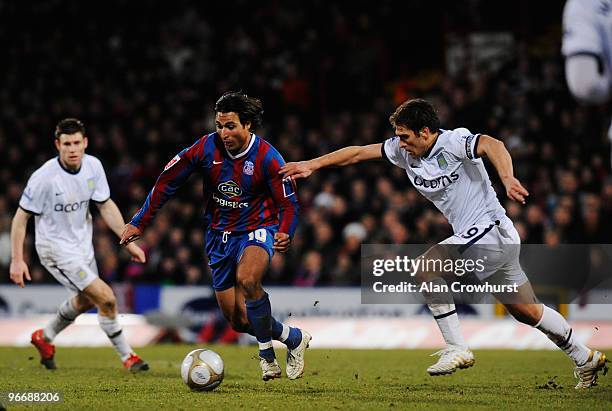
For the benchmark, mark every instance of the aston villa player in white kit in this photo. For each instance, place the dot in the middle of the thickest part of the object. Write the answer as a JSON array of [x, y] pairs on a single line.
[[587, 48], [58, 194], [445, 166]]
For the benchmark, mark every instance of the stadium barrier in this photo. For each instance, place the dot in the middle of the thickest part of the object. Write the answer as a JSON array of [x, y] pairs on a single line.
[[85, 332], [334, 315]]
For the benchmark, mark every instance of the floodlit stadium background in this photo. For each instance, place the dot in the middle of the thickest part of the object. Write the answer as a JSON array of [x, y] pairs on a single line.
[[144, 76]]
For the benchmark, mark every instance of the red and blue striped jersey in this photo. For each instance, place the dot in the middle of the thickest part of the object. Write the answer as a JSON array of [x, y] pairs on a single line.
[[241, 193]]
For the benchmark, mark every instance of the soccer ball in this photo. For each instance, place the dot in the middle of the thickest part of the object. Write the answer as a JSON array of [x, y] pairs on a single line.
[[202, 370]]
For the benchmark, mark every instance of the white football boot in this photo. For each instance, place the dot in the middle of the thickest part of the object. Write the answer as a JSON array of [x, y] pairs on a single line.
[[295, 357], [269, 370], [587, 373], [451, 358]]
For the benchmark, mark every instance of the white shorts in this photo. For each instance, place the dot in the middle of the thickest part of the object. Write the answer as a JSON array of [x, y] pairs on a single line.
[[498, 245], [75, 274]]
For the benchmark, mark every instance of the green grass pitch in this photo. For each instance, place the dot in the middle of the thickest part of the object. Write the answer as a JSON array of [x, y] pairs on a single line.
[[92, 378]]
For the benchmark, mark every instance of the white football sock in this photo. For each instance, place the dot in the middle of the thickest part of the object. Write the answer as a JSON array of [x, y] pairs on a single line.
[[115, 334], [559, 331], [64, 317], [285, 334], [448, 322]]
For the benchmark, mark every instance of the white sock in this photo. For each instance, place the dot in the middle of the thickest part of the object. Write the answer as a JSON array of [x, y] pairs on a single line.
[[559, 331], [448, 322], [115, 334], [285, 334], [64, 317]]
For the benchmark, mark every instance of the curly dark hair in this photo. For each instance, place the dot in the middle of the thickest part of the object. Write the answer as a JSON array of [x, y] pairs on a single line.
[[248, 109], [416, 114]]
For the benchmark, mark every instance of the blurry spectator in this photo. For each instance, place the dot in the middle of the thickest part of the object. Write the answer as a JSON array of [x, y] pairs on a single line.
[[193, 275], [109, 267], [535, 225], [552, 237], [309, 274], [276, 273], [344, 272]]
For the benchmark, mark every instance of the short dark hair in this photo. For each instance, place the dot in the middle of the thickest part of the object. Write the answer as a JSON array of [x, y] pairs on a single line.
[[416, 114], [69, 126], [248, 109]]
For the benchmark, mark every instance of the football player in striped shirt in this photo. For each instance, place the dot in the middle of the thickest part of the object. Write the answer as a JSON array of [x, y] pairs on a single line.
[[58, 195], [250, 212], [446, 167]]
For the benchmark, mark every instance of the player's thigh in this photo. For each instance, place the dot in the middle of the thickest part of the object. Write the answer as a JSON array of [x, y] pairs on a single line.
[[255, 251], [253, 264], [524, 294], [433, 260], [101, 294]]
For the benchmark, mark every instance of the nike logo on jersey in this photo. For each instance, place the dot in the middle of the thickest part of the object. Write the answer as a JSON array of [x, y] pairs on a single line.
[[217, 162], [58, 194]]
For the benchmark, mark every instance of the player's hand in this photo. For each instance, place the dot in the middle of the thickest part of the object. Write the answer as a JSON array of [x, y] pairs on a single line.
[[515, 190], [281, 242], [137, 253], [130, 233], [18, 270], [300, 169]]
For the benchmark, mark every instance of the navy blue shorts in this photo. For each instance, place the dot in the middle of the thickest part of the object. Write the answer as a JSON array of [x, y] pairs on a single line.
[[225, 249]]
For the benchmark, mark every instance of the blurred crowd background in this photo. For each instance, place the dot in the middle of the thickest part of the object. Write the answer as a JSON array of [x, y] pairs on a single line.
[[144, 76]]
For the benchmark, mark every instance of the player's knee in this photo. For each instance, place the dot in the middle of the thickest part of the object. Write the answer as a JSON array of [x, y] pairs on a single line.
[[422, 277], [534, 314], [525, 313], [83, 304], [250, 284], [108, 304], [79, 303]]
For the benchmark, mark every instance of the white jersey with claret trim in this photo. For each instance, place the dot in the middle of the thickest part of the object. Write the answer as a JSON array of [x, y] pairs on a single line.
[[59, 199], [452, 177], [587, 29]]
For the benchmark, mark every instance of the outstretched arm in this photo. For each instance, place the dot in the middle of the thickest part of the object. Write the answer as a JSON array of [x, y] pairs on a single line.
[[176, 172], [500, 157], [19, 268], [343, 157], [112, 217]]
